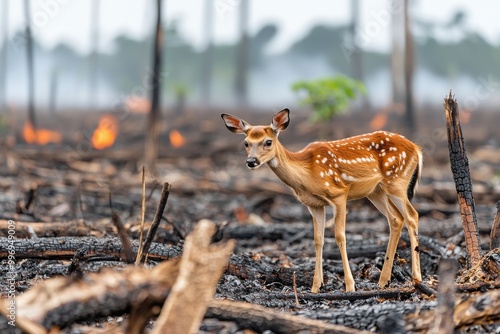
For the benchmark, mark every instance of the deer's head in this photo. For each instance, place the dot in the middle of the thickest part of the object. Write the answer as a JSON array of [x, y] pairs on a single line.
[[260, 140]]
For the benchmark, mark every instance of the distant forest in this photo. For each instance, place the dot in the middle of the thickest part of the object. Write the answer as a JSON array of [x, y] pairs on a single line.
[[126, 65]]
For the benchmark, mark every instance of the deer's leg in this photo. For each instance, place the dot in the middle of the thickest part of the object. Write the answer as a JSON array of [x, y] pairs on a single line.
[[339, 211], [318, 215], [410, 215], [395, 220]]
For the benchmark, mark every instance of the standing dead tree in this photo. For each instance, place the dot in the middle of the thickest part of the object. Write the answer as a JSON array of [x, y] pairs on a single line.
[[3, 55], [31, 74], [461, 175], [154, 120], [242, 56]]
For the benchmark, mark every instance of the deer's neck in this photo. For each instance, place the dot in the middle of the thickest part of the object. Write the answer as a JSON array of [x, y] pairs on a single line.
[[290, 167]]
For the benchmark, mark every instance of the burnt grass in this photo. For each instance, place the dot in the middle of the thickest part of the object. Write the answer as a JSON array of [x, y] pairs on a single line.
[[209, 180]]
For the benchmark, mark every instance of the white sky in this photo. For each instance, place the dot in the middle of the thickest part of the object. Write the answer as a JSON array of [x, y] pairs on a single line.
[[68, 21]]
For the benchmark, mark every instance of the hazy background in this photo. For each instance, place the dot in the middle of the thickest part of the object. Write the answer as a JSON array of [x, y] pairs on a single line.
[[457, 46]]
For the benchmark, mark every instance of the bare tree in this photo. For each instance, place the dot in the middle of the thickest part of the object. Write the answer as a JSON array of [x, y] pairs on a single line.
[[94, 56], [206, 69], [3, 56], [154, 126], [242, 55], [397, 65], [409, 68], [31, 74], [357, 55]]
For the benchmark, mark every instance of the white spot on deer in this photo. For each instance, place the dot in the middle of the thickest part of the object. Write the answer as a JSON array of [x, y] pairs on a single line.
[[359, 160], [376, 146], [383, 154], [317, 161], [324, 160], [388, 173], [382, 142], [330, 172], [348, 177], [391, 159], [319, 155], [386, 139], [336, 166], [322, 174], [337, 179], [393, 149], [386, 164], [375, 170], [327, 184], [403, 154], [373, 144]]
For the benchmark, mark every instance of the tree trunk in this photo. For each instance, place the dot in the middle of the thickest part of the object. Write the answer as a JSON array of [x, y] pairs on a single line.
[[242, 56], [31, 74], [206, 70], [357, 53], [94, 57], [409, 54], [397, 66], [461, 175], [3, 56], [154, 120]]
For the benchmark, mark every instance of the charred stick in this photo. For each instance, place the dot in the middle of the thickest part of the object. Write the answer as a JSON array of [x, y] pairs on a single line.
[[424, 288], [156, 222], [495, 230], [357, 295], [443, 322], [143, 211], [124, 237], [461, 175]]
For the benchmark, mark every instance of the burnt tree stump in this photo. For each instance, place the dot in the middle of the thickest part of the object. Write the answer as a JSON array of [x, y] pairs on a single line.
[[461, 175]]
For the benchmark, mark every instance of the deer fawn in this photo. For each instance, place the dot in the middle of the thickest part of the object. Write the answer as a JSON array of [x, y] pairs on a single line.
[[381, 166]]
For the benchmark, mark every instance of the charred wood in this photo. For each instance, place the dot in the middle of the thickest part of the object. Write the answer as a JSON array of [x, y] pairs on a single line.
[[461, 175], [261, 319], [65, 248], [495, 230]]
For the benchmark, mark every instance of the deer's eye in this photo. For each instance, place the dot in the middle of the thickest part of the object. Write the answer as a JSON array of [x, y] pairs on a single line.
[[268, 143], [246, 144]]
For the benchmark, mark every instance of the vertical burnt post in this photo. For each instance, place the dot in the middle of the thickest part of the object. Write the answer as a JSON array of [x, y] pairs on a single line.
[[409, 69], [3, 56], [461, 175], [31, 74], [206, 69], [154, 118], [241, 85], [495, 230]]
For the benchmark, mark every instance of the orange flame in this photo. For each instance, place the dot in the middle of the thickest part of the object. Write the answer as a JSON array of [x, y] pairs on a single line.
[[379, 121], [105, 134], [40, 136], [176, 139]]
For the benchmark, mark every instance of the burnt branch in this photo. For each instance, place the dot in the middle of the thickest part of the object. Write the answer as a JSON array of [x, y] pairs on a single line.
[[156, 222], [461, 175]]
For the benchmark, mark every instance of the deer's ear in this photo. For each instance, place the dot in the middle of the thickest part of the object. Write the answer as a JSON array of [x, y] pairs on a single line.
[[235, 124], [281, 120]]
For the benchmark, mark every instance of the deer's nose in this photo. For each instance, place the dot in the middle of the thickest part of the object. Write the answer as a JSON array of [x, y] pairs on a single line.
[[252, 162]]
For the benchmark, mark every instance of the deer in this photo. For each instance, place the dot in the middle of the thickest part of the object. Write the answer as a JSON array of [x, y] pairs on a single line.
[[383, 167]]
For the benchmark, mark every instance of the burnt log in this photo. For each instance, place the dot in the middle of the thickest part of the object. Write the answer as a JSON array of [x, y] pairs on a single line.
[[470, 310], [461, 175], [261, 319], [73, 228], [66, 247]]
